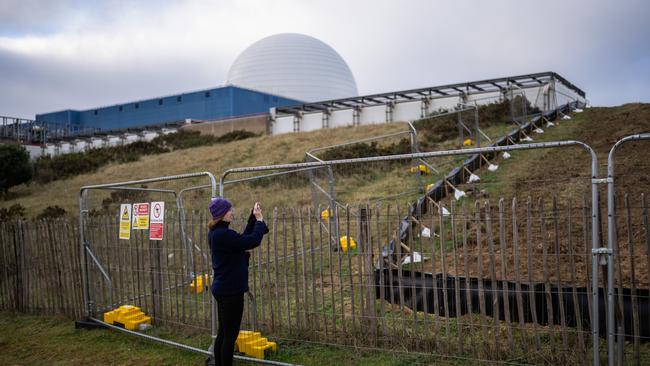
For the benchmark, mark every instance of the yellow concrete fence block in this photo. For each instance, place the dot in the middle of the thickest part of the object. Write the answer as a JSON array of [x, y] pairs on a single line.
[[257, 342], [325, 214], [127, 316], [253, 344], [422, 169], [199, 283], [245, 336], [345, 244]]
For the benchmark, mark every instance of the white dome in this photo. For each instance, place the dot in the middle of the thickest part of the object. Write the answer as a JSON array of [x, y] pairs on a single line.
[[294, 66]]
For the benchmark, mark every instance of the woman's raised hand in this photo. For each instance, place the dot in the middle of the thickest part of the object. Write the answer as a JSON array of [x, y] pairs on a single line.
[[257, 211]]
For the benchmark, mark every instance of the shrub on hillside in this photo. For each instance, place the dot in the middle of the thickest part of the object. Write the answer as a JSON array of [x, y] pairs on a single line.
[[15, 167], [430, 130], [16, 211], [110, 205], [51, 212], [133, 151], [183, 140], [47, 168], [236, 135]]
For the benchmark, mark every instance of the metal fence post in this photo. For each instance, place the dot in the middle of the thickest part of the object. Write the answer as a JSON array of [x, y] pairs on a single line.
[[87, 254], [596, 250], [611, 244]]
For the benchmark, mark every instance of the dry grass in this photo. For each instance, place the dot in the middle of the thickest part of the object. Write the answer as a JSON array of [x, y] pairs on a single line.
[[217, 158], [265, 150]]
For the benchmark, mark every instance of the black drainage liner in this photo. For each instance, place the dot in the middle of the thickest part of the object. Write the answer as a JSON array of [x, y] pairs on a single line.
[[423, 284]]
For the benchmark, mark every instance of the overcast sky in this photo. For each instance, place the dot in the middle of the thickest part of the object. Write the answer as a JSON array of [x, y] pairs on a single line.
[[59, 54]]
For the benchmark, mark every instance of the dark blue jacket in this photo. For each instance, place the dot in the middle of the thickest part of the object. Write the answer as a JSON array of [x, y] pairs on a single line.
[[230, 256]]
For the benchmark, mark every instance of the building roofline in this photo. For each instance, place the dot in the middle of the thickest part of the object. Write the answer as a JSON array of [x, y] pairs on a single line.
[[223, 86]]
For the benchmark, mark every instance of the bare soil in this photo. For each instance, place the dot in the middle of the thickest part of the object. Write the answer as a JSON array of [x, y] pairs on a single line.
[[561, 255]]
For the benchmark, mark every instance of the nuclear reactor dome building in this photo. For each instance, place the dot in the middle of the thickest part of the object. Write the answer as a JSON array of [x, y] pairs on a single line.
[[294, 66]]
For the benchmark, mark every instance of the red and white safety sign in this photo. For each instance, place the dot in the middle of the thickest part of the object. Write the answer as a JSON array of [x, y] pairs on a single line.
[[157, 220], [140, 216]]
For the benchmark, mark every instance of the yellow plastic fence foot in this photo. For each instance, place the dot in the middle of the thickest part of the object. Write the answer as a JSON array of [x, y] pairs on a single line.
[[199, 283], [127, 316], [253, 344]]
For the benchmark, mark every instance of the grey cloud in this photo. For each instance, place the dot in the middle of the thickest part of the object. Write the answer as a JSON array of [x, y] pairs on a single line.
[[598, 45], [33, 16], [37, 85]]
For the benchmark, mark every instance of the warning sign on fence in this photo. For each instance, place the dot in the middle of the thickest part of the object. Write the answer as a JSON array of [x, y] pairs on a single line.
[[125, 221], [140, 216], [157, 220]]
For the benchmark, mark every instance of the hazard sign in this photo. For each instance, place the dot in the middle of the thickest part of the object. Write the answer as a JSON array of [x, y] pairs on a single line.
[[140, 216], [125, 221], [157, 220]]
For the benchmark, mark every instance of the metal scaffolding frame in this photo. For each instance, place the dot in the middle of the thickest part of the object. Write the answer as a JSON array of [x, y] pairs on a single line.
[[434, 92]]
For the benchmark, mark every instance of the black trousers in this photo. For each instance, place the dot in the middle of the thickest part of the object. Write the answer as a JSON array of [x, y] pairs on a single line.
[[230, 310]]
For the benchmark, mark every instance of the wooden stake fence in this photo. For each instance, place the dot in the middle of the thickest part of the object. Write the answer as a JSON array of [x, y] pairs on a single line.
[[502, 282]]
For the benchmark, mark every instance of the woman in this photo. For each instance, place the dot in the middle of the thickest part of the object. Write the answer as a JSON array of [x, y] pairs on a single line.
[[230, 266]]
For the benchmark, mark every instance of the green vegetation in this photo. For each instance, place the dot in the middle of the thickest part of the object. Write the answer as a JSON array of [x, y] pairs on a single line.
[[51, 212], [15, 167], [112, 203], [15, 211], [28, 340], [48, 169], [431, 131]]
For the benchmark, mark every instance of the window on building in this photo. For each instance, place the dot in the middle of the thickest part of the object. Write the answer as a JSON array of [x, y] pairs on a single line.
[[207, 94], [137, 105], [120, 108], [95, 112], [160, 101], [179, 99]]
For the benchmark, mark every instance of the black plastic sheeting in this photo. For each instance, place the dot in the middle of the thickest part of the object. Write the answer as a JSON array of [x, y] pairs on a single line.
[[424, 286], [458, 175]]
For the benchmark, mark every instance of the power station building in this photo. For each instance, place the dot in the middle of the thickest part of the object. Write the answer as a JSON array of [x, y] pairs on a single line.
[[210, 104], [277, 71], [280, 84]]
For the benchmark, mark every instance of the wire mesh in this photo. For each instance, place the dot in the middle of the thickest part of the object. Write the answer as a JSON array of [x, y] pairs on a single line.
[[138, 269], [518, 256]]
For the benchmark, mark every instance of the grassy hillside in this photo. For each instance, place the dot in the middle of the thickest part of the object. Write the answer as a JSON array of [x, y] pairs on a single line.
[[289, 190], [216, 158], [565, 172], [561, 171]]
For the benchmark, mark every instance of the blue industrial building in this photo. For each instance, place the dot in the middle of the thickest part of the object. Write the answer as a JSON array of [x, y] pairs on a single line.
[[210, 104]]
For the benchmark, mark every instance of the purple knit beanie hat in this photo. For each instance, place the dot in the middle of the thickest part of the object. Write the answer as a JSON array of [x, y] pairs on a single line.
[[219, 207]]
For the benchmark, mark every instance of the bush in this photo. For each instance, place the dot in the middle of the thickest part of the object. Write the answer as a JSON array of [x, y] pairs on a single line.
[[133, 151], [51, 212], [15, 167], [14, 212], [110, 205], [236, 135], [47, 169], [184, 139], [430, 131]]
